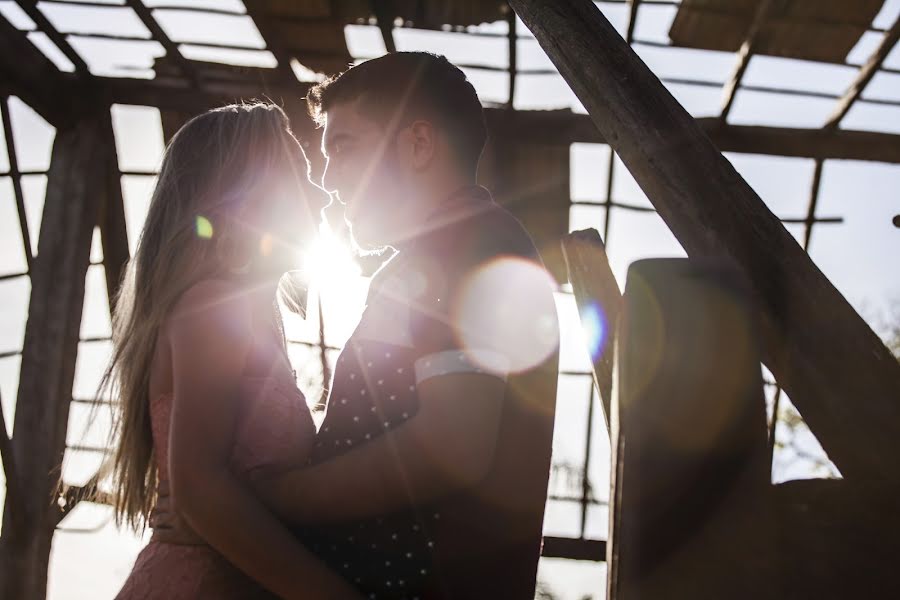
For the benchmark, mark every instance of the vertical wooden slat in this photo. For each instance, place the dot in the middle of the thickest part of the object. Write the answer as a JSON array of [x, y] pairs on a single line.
[[74, 188], [690, 509], [599, 304], [836, 370]]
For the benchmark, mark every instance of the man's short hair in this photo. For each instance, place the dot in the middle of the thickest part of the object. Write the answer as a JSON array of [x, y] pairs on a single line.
[[402, 86]]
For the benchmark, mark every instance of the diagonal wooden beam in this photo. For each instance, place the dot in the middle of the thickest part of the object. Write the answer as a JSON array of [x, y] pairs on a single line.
[[865, 75], [16, 177], [382, 11], [31, 9], [48, 356], [836, 370], [146, 17], [744, 54], [34, 78], [10, 471], [256, 11], [111, 218]]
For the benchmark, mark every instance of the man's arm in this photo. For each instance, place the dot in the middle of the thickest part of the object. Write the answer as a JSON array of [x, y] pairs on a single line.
[[447, 446]]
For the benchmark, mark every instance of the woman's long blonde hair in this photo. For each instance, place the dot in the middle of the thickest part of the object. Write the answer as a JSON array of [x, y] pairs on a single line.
[[213, 171]]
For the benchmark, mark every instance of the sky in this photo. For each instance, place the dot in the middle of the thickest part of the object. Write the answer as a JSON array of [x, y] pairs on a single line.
[[856, 255]]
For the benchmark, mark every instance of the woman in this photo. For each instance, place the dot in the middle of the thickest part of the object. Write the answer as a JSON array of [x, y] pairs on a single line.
[[207, 395]]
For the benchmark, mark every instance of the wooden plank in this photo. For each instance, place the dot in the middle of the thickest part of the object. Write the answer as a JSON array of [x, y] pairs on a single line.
[[865, 75], [74, 187], [837, 539], [599, 304], [690, 513], [834, 367]]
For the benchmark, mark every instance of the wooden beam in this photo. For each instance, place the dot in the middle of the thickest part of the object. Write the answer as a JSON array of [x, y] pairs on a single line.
[[33, 77], [257, 11], [813, 201], [632, 19], [836, 370], [567, 127], [574, 548], [74, 187], [865, 75], [743, 56], [385, 19], [10, 471], [171, 48], [837, 539], [512, 40], [31, 9], [599, 304], [113, 232], [16, 177], [552, 126]]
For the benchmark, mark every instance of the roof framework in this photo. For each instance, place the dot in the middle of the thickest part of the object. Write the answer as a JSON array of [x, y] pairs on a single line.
[[307, 38]]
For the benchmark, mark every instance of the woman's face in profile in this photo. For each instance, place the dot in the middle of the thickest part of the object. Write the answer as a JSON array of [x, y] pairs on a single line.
[[287, 218]]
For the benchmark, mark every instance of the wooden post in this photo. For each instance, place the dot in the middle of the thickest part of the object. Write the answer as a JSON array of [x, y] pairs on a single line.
[[690, 515], [835, 369], [74, 188], [599, 304]]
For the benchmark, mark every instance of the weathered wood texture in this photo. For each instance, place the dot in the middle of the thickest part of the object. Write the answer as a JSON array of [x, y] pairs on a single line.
[[835, 369], [599, 304], [837, 539], [74, 188], [690, 513]]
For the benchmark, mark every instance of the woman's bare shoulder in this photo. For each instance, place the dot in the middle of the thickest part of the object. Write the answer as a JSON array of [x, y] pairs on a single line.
[[214, 315]]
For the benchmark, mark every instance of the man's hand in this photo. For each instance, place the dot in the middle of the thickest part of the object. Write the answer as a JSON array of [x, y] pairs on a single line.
[[447, 446]]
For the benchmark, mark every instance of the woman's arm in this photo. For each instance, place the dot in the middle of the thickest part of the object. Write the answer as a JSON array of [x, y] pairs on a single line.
[[210, 338], [446, 447]]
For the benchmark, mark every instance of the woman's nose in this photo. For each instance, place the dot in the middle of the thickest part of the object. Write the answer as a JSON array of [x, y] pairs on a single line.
[[329, 183]]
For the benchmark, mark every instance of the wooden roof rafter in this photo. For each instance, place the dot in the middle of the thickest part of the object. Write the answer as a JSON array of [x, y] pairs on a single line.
[[146, 17], [865, 75], [281, 55], [29, 74], [744, 55], [31, 9]]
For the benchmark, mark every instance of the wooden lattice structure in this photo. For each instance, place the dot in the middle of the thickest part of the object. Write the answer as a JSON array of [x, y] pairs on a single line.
[[628, 108]]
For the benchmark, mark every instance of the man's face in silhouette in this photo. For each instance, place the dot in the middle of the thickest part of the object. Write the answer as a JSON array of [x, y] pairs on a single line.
[[365, 169]]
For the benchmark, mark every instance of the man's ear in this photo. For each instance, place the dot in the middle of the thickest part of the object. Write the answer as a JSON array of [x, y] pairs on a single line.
[[423, 143]]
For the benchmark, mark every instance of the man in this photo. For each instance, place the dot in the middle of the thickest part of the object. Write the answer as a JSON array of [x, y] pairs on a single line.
[[429, 473]]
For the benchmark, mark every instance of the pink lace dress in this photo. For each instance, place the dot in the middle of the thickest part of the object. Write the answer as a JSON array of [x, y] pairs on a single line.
[[275, 429]]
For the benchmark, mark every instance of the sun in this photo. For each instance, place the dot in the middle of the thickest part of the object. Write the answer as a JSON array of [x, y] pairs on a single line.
[[335, 280]]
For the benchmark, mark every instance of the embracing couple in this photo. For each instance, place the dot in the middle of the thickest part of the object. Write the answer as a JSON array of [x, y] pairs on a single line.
[[428, 476]]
